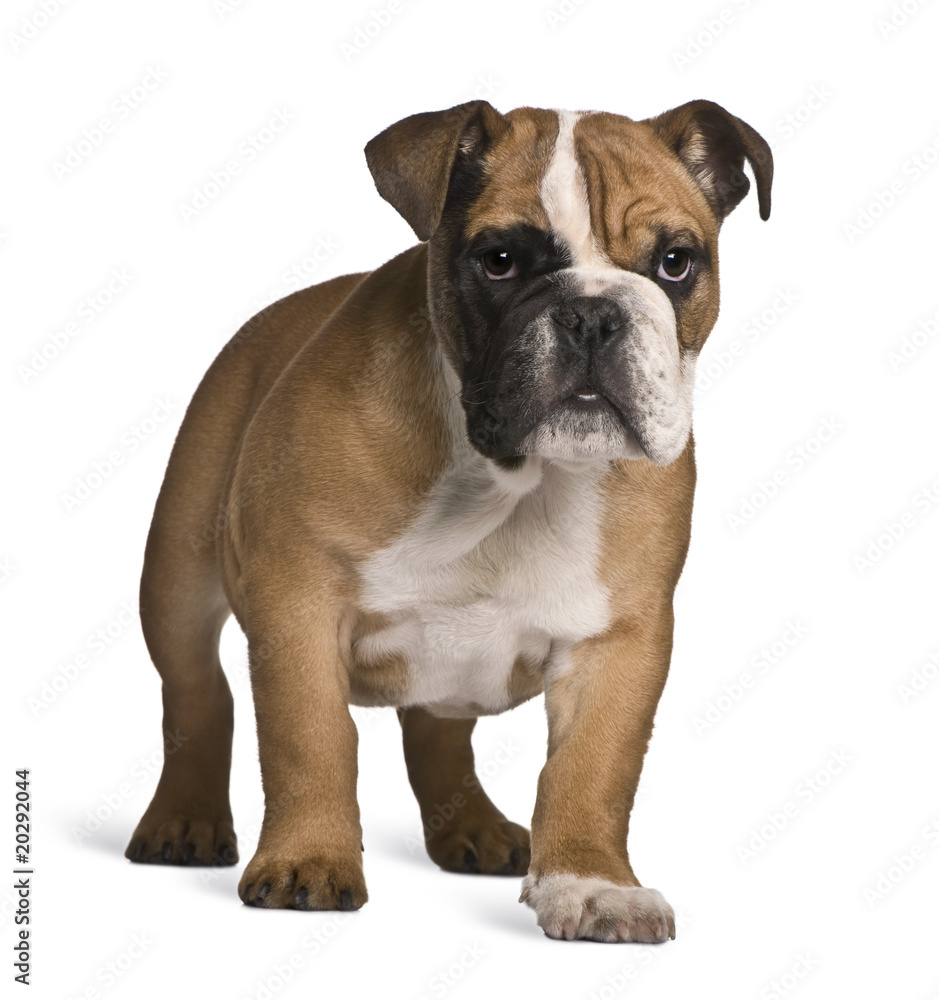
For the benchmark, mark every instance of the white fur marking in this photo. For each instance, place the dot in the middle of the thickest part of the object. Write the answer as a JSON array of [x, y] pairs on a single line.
[[564, 196], [661, 377], [495, 565], [570, 907]]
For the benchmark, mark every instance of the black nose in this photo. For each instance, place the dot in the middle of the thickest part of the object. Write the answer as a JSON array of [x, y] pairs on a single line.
[[589, 321]]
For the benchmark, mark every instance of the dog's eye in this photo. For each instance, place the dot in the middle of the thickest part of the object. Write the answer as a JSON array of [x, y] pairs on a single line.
[[499, 264], [675, 265]]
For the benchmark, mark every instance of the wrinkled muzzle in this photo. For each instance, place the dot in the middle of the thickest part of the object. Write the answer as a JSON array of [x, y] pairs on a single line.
[[596, 375]]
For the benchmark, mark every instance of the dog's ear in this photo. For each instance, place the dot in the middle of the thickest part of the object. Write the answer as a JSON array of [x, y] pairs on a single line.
[[712, 144], [412, 160]]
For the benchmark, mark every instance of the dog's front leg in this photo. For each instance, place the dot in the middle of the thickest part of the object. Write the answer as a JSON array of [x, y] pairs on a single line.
[[601, 702], [309, 854]]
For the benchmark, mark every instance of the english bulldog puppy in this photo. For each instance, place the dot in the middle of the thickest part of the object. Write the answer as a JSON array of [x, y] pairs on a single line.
[[449, 485]]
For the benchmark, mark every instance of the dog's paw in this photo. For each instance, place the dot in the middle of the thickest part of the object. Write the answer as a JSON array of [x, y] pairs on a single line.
[[570, 907], [481, 847], [313, 881], [175, 839]]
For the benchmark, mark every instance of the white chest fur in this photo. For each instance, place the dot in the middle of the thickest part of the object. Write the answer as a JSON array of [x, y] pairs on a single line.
[[495, 565]]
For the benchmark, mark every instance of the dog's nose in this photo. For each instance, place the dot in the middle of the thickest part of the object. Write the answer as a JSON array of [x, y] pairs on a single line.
[[589, 321]]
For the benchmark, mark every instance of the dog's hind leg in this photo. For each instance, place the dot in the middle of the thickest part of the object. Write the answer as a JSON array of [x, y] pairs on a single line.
[[182, 609], [189, 820], [463, 829]]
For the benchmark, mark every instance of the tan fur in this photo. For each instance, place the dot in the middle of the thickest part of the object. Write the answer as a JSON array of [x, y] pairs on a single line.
[[603, 707], [311, 445], [463, 830], [635, 193], [525, 681], [514, 168]]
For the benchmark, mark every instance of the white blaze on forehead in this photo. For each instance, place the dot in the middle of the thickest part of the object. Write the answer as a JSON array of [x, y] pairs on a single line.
[[655, 376], [564, 196]]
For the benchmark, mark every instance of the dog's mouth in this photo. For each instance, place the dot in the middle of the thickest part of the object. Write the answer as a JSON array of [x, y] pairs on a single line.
[[583, 425], [586, 396], [580, 417], [585, 410]]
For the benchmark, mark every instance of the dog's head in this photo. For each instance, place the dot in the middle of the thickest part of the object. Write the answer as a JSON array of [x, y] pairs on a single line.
[[572, 265]]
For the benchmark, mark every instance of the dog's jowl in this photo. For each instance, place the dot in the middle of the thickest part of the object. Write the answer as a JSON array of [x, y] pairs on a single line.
[[449, 485]]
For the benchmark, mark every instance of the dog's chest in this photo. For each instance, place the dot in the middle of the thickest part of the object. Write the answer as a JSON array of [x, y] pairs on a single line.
[[497, 576]]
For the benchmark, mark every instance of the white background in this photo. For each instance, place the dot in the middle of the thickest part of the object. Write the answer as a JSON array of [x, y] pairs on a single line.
[[831, 742]]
